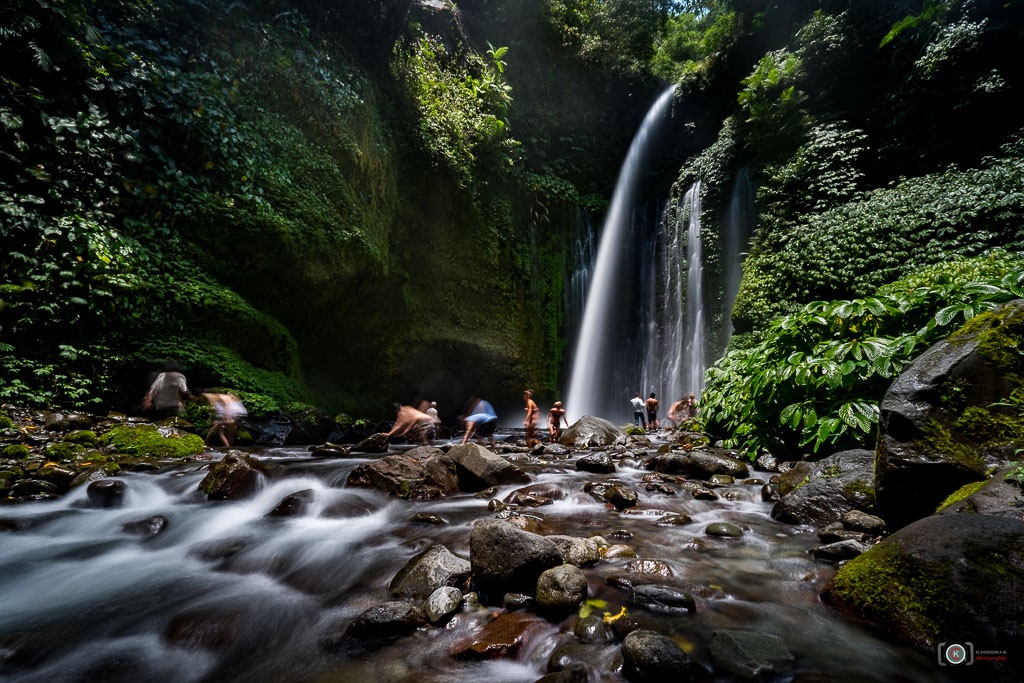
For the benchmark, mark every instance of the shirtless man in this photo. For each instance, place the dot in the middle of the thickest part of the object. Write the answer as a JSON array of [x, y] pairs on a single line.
[[531, 418], [652, 412], [555, 417]]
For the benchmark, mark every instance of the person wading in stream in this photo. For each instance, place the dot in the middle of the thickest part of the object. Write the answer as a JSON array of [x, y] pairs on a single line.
[[480, 422], [638, 411], [555, 418], [652, 412], [531, 418]]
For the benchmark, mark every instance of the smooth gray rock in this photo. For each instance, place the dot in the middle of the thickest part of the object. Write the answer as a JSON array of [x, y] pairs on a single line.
[[442, 603], [431, 569], [748, 654]]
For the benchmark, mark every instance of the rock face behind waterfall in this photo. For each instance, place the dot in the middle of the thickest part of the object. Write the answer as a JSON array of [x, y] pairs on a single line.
[[938, 427], [589, 431]]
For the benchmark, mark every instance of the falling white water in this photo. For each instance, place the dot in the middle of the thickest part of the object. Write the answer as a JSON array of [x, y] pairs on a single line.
[[590, 392], [694, 349], [738, 225]]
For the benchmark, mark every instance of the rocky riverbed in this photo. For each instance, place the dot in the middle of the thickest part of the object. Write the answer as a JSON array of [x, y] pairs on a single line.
[[645, 559]]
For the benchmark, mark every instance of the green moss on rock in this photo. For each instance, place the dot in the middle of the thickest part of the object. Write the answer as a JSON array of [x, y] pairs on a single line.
[[961, 493], [148, 440], [16, 451]]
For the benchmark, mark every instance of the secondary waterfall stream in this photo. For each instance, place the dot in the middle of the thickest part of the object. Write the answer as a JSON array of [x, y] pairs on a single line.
[[227, 593]]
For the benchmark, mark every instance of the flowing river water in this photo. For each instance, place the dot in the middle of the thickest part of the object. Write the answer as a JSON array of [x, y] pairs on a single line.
[[226, 593]]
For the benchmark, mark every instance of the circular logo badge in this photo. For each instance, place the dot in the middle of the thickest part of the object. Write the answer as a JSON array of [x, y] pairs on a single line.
[[956, 654]]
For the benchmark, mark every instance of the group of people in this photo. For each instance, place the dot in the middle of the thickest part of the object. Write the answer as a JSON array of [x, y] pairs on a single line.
[[166, 398], [645, 413]]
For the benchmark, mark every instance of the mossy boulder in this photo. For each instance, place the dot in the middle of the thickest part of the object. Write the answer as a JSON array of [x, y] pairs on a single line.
[[16, 451], [940, 427], [943, 578], [161, 442], [841, 482]]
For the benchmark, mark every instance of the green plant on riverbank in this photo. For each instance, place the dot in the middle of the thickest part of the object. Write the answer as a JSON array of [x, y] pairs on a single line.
[[817, 376]]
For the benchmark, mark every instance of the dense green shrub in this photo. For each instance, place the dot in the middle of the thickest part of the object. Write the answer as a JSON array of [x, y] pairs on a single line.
[[817, 376]]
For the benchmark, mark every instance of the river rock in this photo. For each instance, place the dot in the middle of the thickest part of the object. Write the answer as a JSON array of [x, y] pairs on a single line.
[[106, 493], [649, 657], [723, 530], [942, 578], [839, 551], [841, 482], [149, 527], [599, 463], [938, 426], [592, 432], [235, 477], [856, 520], [506, 559], [576, 551], [663, 599], [375, 443], [503, 637], [561, 590], [701, 464], [548, 490], [386, 622], [418, 474], [649, 567], [293, 505], [749, 654], [618, 495], [477, 468], [425, 573], [442, 603]]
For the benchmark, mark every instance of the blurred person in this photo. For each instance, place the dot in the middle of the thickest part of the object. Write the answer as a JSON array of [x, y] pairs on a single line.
[[166, 394], [228, 410], [481, 421], [555, 418], [531, 418]]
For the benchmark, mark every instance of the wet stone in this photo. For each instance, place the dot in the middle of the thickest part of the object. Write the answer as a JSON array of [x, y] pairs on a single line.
[[442, 603], [723, 530], [428, 518], [649, 567], [149, 527], [106, 493], [674, 519], [663, 599]]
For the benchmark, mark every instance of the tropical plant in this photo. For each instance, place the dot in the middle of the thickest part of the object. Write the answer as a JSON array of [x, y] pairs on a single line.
[[817, 376]]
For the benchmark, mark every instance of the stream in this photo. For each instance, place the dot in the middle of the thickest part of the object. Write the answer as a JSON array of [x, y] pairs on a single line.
[[226, 593]]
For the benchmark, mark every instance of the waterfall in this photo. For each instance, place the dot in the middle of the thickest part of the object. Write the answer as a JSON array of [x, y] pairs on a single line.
[[595, 387], [738, 226], [694, 348]]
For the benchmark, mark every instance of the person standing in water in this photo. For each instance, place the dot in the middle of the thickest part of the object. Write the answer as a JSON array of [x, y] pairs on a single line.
[[638, 411], [531, 418], [652, 412], [555, 418]]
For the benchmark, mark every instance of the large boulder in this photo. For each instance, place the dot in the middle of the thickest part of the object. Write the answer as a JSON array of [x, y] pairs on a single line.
[[419, 474], [505, 559], [235, 477], [940, 426], [841, 482], [590, 431], [477, 468], [943, 578], [700, 464], [433, 568]]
